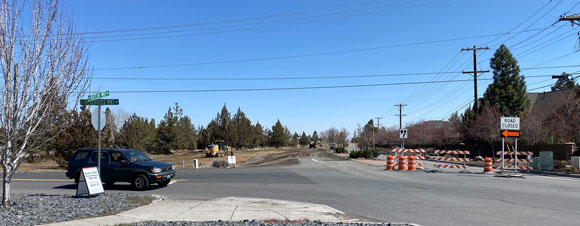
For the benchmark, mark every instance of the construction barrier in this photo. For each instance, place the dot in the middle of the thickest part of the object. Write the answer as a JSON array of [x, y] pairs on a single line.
[[402, 163], [451, 152], [411, 160], [488, 165], [390, 162], [417, 152], [514, 161], [452, 159], [448, 166]]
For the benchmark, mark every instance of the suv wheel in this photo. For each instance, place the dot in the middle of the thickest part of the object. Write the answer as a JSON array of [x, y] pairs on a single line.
[[140, 182], [78, 177]]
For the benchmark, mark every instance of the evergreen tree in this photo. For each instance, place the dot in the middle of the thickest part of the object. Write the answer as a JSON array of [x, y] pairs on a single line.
[[79, 134], [260, 138], [304, 139], [167, 132], [278, 136], [564, 83], [295, 139], [315, 137], [243, 130], [137, 133], [186, 138], [508, 90]]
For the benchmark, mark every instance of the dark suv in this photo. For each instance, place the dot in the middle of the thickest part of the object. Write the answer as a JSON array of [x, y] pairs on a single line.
[[122, 165]]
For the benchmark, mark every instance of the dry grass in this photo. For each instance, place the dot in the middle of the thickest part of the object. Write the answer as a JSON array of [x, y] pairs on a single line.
[[140, 200], [175, 159], [303, 220]]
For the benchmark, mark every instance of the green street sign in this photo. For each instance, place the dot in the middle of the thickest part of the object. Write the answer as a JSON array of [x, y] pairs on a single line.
[[99, 95], [100, 102]]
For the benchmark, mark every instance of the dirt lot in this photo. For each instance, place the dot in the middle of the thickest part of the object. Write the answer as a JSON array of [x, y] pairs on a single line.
[[244, 158]]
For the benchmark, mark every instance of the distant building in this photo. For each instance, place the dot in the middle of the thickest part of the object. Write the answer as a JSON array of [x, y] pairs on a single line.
[[350, 147], [546, 103]]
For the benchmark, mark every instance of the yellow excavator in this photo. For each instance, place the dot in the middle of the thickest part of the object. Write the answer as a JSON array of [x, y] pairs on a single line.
[[218, 149]]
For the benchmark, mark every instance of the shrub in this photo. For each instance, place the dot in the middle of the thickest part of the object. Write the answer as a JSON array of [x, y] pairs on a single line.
[[220, 163], [340, 150], [368, 154]]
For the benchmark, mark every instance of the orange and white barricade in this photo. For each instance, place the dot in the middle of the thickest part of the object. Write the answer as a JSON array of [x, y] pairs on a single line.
[[451, 159], [418, 154], [513, 162]]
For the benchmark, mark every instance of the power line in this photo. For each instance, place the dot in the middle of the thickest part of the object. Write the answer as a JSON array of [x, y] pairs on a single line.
[[265, 27], [303, 55], [296, 88]]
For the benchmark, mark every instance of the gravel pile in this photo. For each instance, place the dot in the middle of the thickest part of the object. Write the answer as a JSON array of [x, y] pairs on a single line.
[[33, 209], [259, 223]]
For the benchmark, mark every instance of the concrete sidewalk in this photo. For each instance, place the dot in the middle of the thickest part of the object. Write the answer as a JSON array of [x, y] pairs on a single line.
[[225, 209]]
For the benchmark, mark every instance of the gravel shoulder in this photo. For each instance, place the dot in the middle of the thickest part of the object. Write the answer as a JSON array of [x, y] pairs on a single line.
[[259, 223], [35, 209]]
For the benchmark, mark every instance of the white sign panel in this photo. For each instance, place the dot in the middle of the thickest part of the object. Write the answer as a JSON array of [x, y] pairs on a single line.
[[95, 119], [510, 123], [90, 182], [403, 134], [232, 159]]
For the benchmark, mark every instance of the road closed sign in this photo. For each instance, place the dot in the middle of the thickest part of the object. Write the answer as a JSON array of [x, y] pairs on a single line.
[[510, 123], [90, 182]]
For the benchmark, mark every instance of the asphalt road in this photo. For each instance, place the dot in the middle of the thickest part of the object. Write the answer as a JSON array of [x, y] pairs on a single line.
[[369, 192]]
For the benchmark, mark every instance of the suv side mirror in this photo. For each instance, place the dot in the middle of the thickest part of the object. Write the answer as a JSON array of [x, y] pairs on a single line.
[[124, 162]]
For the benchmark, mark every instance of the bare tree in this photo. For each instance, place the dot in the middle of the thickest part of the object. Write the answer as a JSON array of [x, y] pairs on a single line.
[[486, 127], [341, 137], [43, 70], [533, 129], [565, 121]]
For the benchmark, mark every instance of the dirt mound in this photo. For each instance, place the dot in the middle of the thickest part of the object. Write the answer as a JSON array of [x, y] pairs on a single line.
[[289, 157]]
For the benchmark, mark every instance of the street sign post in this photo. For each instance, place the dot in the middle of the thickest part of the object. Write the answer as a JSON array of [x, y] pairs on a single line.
[[509, 127], [98, 118], [100, 102], [403, 135], [99, 95]]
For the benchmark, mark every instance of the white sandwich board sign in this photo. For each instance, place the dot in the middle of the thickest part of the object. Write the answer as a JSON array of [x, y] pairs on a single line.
[[89, 182]]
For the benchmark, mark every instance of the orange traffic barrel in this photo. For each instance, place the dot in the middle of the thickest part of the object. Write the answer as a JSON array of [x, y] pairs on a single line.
[[402, 162], [488, 165], [411, 160], [390, 162]]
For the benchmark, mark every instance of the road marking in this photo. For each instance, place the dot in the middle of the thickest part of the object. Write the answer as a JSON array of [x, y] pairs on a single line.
[[555, 178], [177, 180], [43, 180]]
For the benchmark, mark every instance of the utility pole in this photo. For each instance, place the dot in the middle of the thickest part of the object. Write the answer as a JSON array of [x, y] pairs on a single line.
[[378, 126], [574, 19], [400, 114], [474, 72]]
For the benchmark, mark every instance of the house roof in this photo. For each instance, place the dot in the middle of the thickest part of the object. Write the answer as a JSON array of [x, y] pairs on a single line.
[[546, 103]]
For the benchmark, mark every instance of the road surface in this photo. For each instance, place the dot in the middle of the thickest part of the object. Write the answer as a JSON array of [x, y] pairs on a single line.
[[371, 193]]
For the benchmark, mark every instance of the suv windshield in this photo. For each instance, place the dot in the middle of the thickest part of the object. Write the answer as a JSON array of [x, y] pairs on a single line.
[[136, 156]]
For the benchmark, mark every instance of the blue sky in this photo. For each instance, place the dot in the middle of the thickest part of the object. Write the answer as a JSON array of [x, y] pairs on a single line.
[[310, 28]]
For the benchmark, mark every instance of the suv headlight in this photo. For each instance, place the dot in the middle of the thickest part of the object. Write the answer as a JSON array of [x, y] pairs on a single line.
[[156, 170], [172, 167]]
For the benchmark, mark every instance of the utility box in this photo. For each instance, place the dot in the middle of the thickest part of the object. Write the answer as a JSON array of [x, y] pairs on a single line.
[[576, 162], [536, 163], [546, 160]]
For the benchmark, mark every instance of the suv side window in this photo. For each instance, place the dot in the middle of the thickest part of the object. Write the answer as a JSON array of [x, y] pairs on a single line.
[[116, 158], [93, 158], [81, 156]]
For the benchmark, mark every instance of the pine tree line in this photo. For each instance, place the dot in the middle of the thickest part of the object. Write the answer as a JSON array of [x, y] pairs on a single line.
[[174, 132]]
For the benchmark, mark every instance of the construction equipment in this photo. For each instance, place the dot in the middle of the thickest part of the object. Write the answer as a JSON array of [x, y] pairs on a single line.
[[219, 149]]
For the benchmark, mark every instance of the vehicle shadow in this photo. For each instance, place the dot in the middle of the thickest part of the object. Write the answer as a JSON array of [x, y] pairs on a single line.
[[115, 187]]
